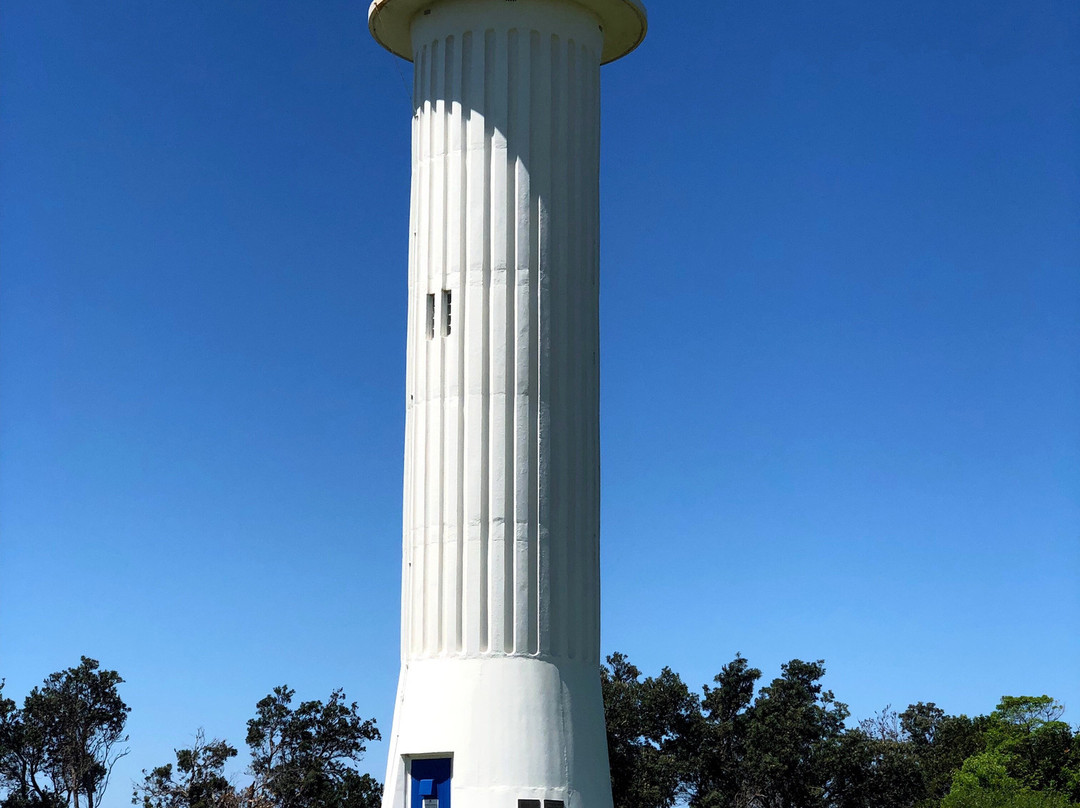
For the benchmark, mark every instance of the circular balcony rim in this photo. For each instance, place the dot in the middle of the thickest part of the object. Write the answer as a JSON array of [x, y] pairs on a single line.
[[624, 24]]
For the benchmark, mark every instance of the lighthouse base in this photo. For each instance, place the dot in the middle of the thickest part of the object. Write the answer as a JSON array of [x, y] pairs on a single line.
[[512, 728]]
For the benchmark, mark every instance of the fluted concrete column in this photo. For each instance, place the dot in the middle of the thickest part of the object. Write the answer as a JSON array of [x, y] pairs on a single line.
[[505, 176], [500, 589]]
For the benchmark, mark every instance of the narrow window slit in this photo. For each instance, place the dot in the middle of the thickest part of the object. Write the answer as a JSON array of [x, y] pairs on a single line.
[[446, 312], [430, 316]]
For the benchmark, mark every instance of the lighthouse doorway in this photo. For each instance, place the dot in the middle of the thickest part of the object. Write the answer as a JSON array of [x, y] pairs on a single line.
[[430, 787]]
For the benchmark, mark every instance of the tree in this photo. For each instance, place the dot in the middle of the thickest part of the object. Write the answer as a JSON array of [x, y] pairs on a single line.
[[22, 763], [941, 743], [648, 724], [984, 782], [360, 791], [199, 780], [60, 747], [1029, 712], [793, 742], [1035, 746], [304, 757], [719, 773], [876, 768], [300, 758]]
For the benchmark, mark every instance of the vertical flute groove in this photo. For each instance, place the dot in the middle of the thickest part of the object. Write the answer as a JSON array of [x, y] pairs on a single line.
[[513, 221], [453, 273], [574, 270], [437, 225], [540, 176], [511, 349], [561, 442], [531, 354], [485, 546], [486, 337], [439, 79], [499, 335], [464, 78]]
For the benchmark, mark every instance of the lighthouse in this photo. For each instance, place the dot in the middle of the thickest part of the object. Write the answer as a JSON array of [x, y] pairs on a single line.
[[498, 701]]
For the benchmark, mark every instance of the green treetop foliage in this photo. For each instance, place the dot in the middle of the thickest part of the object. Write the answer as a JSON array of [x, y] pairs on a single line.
[[198, 780], [876, 766], [1026, 758], [648, 723], [984, 782], [793, 741], [718, 771], [302, 757], [60, 747], [940, 743], [786, 745], [1037, 749]]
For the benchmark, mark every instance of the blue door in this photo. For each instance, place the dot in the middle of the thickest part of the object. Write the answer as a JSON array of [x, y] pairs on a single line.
[[430, 783]]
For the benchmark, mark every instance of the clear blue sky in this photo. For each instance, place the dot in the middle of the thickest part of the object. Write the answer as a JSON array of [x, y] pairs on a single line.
[[841, 350]]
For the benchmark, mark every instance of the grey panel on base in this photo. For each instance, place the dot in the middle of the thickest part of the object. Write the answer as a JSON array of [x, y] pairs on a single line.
[[624, 23]]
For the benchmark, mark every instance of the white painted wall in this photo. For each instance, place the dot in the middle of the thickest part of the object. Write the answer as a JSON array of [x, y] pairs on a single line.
[[500, 590]]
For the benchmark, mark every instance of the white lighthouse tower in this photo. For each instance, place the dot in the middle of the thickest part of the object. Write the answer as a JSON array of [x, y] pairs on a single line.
[[499, 703]]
